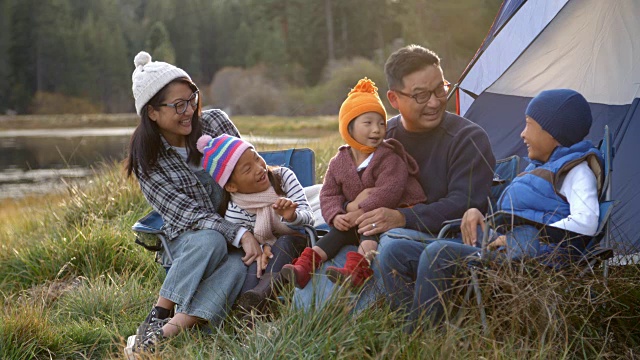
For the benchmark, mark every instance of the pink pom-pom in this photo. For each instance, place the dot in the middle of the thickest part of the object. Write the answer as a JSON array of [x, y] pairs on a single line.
[[203, 142]]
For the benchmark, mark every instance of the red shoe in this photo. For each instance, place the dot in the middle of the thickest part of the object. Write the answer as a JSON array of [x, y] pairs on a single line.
[[301, 268], [356, 267]]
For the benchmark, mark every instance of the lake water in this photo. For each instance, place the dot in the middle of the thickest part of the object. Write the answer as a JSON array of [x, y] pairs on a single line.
[[40, 161]]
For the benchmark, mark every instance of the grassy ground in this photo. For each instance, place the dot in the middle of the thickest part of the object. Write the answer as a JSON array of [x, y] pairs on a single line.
[[74, 285]]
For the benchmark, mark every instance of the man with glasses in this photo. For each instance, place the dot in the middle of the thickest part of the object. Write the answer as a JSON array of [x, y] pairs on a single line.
[[454, 154], [456, 170]]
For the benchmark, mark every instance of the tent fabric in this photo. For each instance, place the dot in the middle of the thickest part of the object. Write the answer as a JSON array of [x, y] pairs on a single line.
[[514, 37], [591, 46], [591, 38]]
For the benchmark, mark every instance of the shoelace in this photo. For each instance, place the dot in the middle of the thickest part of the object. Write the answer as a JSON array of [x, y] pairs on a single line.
[[156, 324], [154, 332]]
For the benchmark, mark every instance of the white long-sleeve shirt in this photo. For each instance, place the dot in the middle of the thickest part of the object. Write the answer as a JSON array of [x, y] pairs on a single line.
[[581, 190]]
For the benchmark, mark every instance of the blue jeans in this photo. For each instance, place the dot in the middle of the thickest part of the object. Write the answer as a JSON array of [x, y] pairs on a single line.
[[440, 264], [204, 279], [319, 290], [422, 285], [418, 278]]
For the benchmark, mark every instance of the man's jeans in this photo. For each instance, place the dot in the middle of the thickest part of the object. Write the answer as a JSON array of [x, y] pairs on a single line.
[[319, 290], [419, 279]]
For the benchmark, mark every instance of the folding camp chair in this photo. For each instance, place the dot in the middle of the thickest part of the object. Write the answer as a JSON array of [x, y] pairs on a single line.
[[596, 251], [148, 229]]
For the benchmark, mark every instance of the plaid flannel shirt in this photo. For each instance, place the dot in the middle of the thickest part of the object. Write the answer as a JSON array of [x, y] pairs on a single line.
[[174, 191]]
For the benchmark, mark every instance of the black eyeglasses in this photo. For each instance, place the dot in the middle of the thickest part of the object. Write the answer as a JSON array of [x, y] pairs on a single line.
[[180, 106], [424, 96]]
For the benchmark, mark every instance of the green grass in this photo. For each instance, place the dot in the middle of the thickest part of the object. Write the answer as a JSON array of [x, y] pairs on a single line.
[[74, 286]]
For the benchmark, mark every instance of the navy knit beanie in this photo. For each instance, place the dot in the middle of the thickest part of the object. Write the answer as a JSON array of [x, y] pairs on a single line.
[[563, 113]]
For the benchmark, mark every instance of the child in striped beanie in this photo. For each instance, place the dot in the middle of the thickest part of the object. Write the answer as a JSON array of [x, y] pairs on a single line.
[[267, 201]]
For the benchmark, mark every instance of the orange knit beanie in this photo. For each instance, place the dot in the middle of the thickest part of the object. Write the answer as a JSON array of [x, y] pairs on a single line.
[[362, 99]]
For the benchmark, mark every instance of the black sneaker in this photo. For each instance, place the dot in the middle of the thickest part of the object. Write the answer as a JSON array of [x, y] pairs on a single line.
[[147, 342], [157, 314]]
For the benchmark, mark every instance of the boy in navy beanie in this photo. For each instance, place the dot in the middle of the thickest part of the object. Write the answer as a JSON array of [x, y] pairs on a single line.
[[561, 186]]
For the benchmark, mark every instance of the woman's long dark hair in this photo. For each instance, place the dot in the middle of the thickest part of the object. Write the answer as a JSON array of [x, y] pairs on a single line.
[[145, 144]]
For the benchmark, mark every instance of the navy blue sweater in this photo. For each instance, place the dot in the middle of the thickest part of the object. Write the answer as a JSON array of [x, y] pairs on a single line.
[[456, 169]]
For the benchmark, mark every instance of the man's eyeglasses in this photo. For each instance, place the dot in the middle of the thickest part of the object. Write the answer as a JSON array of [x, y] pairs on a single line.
[[180, 106], [424, 96]]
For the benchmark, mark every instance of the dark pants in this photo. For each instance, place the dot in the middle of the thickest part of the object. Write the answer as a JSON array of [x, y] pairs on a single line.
[[285, 249], [333, 241]]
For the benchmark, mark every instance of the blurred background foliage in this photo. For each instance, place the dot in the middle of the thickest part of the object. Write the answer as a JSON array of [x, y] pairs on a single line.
[[280, 57]]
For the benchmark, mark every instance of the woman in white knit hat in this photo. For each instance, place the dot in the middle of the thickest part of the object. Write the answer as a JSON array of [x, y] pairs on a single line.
[[205, 278]]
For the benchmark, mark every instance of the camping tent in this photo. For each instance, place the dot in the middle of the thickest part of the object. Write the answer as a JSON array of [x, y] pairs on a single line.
[[592, 46]]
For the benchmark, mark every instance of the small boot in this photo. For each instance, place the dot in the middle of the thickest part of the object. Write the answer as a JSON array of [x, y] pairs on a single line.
[[257, 297], [356, 267], [301, 268]]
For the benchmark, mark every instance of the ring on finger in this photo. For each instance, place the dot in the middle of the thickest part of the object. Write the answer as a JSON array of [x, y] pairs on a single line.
[[373, 225]]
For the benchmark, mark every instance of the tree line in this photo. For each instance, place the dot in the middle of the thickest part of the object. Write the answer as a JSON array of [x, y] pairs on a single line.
[[77, 55]]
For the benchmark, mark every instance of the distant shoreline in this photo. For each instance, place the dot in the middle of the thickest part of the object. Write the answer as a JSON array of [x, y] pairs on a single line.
[[64, 121], [260, 125]]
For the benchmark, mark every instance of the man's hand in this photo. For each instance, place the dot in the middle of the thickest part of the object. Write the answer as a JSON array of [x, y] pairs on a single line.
[[469, 226], [380, 220], [285, 208], [355, 204], [252, 251], [341, 223], [499, 241], [266, 255]]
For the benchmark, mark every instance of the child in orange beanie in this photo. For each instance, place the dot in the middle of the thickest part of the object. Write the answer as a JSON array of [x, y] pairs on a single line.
[[368, 161]]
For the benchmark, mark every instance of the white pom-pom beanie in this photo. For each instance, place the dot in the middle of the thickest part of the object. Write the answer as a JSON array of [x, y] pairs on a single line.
[[151, 76]]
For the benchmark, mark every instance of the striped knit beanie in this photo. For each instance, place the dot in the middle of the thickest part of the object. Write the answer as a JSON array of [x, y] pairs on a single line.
[[220, 155], [363, 98]]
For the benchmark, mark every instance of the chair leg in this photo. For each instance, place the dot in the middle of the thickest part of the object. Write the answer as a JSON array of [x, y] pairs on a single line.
[[313, 235], [467, 295], [605, 266], [165, 247], [476, 289], [588, 268]]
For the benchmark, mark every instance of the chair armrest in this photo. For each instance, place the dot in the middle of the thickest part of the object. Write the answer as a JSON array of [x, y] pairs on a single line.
[[151, 224], [503, 218], [448, 227], [598, 253], [148, 231]]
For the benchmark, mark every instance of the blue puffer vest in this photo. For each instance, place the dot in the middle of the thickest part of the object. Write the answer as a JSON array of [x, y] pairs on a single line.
[[534, 195]]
